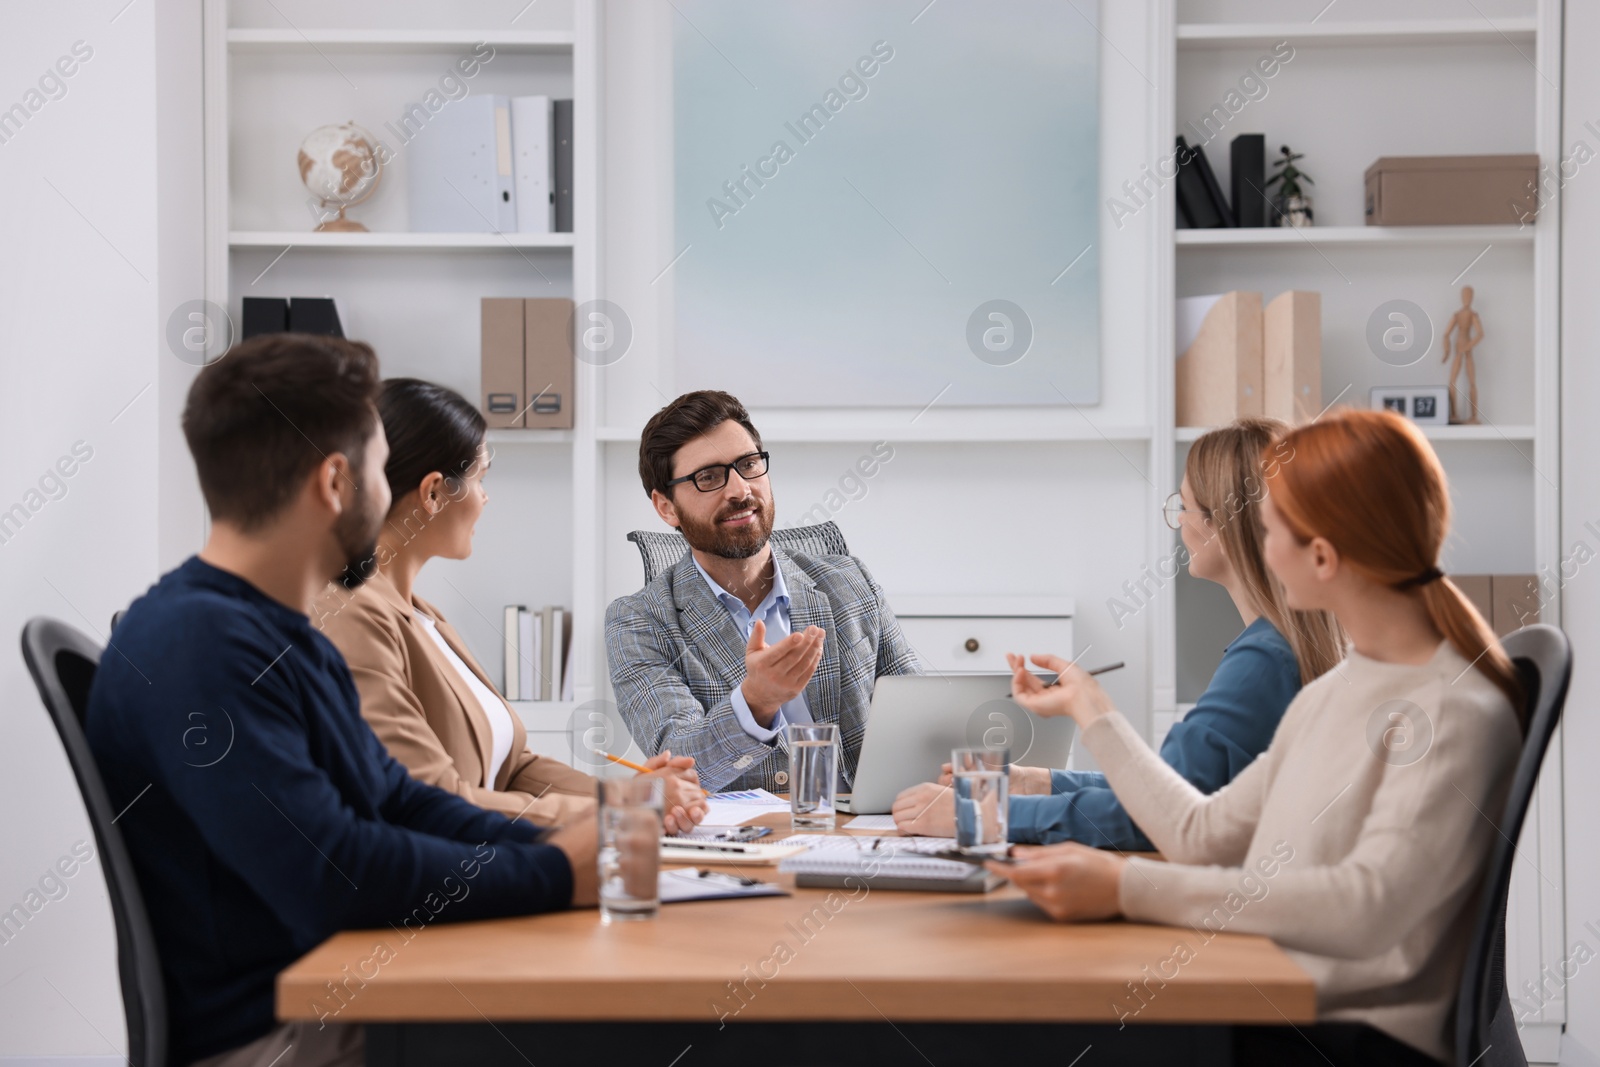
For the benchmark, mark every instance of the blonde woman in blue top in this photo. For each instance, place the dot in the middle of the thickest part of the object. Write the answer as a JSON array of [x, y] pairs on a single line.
[[1217, 512]]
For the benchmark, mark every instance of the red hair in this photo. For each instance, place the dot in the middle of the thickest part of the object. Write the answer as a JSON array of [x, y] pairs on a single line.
[[1369, 484]]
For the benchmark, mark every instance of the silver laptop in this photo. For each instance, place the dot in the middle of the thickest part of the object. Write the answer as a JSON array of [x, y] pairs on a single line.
[[916, 719]]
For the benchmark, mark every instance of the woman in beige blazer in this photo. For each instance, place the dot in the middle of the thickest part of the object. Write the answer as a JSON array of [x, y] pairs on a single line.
[[422, 692]]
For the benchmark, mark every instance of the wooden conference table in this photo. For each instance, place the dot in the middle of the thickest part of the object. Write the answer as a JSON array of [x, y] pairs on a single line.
[[868, 977]]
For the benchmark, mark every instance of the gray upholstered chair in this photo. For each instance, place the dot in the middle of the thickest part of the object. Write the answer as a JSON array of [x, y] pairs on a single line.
[[662, 549]]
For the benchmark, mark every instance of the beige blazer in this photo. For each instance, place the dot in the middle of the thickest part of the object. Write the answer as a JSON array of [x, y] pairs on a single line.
[[422, 710]]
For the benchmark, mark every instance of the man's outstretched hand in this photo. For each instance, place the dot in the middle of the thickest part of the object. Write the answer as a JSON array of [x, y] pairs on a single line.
[[776, 674]]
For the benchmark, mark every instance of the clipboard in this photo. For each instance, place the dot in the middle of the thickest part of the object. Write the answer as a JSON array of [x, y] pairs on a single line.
[[681, 886]]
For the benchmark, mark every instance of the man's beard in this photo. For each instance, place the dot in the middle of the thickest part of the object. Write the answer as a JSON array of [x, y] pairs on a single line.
[[730, 542], [357, 531]]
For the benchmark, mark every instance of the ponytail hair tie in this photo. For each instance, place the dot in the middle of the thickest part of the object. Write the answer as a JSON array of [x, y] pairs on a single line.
[[1432, 574]]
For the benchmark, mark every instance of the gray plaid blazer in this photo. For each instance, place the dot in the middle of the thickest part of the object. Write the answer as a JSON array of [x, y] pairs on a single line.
[[676, 655]]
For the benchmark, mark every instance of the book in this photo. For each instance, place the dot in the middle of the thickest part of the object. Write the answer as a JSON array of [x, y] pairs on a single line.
[[510, 679], [264, 314], [1247, 175], [532, 167], [1182, 220], [1213, 189], [527, 651], [563, 652], [461, 170], [547, 653], [561, 163], [833, 861], [1193, 200], [314, 314]]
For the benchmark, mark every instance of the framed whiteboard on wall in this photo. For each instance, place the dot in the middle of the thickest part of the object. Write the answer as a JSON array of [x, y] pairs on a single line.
[[878, 204]]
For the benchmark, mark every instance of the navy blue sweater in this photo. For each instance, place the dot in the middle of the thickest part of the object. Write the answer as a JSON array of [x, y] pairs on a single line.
[[1231, 724], [262, 813]]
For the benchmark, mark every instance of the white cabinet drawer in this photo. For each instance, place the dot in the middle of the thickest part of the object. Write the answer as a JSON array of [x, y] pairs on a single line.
[[979, 643]]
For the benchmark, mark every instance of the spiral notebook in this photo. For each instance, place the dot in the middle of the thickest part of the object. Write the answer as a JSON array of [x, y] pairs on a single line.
[[834, 861]]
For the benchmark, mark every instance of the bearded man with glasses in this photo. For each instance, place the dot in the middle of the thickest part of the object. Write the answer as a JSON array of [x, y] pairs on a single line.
[[717, 654]]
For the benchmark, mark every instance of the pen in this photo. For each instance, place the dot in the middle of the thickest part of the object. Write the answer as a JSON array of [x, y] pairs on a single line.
[[1098, 670], [710, 846]]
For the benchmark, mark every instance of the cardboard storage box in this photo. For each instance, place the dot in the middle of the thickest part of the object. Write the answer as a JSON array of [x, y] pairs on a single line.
[[1452, 190]]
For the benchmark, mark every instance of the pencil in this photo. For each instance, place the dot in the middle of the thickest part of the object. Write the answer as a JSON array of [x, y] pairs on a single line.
[[628, 763]]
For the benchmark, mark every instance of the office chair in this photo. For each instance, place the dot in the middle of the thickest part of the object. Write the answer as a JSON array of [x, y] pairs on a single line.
[[661, 550], [62, 662], [1486, 1030]]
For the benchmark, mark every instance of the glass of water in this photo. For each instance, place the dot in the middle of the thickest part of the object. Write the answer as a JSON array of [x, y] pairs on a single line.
[[813, 774], [630, 847], [981, 786]]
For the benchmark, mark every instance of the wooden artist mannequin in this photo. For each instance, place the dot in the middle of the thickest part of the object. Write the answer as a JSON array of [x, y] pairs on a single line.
[[1463, 324]]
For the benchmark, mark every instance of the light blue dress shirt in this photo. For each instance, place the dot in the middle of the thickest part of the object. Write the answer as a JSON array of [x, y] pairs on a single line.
[[774, 611]]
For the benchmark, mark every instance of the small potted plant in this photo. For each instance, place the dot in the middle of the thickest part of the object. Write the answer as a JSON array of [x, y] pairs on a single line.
[[1291, 204]]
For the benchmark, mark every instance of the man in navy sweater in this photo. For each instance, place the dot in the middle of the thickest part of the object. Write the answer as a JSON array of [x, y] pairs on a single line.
[[262, 813]]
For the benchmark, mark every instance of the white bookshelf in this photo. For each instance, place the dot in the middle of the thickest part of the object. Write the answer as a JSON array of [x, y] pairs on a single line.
[[1409, 80], [272, 74]]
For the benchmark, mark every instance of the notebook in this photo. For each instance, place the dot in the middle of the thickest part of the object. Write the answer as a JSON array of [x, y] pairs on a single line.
[[833, 861]]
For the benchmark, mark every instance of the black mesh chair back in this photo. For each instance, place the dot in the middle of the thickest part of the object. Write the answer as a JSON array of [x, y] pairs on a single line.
[[663, 549], [62, 662], [1486, 1029]]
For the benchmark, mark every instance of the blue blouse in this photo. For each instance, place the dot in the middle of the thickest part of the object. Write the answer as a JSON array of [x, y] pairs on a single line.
[[1230, 726]]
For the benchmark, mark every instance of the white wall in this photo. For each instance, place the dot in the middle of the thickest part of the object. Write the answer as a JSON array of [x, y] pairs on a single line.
[[85, 284], [1067, 519], [1580, 504]]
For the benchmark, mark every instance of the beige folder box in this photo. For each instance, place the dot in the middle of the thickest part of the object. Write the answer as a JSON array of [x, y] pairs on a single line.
[[1478, 588], [1516, 602], [502, 398], [1452, 190], [1291, 357], [1219, 376], [548, 356]]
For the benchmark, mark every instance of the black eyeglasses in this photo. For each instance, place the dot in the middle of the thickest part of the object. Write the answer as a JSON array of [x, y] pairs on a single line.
[[710, 479]]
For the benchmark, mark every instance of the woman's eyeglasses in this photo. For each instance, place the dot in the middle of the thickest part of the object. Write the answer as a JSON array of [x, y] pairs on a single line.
[[1173, 511]]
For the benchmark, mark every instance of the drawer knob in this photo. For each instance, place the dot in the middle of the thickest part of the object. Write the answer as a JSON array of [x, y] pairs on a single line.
[[972, 644]]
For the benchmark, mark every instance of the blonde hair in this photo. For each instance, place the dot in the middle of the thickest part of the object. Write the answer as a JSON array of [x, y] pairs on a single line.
[[1227, 471]]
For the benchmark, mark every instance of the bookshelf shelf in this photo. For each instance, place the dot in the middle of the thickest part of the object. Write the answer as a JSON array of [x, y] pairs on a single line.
[[530, 437], [972, 432], [1507, 434], [1272, 237], [311, 40], [399, 242], [1510, 31]]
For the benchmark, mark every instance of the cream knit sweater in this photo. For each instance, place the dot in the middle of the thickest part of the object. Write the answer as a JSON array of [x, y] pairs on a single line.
[[1357, 841]]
